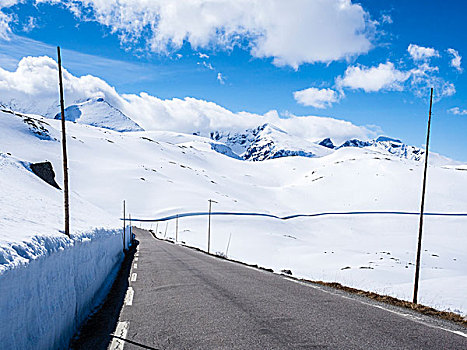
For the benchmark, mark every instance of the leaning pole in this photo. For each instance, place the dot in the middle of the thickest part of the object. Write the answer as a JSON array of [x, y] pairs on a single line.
[[422, 207]]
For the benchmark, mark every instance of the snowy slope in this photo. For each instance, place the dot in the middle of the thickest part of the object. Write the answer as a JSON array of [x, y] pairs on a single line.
[[98, 112], [162, 173], [48, 282]]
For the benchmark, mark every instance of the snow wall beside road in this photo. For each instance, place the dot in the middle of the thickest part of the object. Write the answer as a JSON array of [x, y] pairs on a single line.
[[43, 302]]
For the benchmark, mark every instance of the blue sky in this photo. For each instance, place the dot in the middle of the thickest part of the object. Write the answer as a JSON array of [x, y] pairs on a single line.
[[256, 82]]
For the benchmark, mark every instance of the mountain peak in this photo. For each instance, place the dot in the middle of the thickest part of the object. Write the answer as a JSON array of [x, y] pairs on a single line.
[[386, 139], [98, 112], [327, 142]]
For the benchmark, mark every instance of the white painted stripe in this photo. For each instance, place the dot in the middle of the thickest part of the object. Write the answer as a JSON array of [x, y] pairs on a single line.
[[136, 254], [120, 332], [460, 333], [401, 314], [136, 259], [129, 296], [133, 277], [135, 266]]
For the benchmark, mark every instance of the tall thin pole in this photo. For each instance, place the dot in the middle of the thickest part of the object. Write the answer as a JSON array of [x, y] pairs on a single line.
[[209, 228], [422, 207], [124, 225], [65, 158], [209, 225], [176, 229], [131, 228], [228, 245]]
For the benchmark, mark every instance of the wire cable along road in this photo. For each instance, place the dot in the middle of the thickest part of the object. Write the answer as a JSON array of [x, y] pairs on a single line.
[[185, 299]]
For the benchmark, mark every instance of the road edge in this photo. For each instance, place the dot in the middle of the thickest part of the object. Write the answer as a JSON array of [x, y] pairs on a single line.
[[385, 299]]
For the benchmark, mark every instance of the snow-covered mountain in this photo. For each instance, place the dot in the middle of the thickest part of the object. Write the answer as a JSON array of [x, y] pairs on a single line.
[[100, 113], [268, 142], [264, 142], [395, 147]]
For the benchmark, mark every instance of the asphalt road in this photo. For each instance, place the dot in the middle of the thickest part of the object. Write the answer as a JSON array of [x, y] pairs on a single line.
[[184, 299]]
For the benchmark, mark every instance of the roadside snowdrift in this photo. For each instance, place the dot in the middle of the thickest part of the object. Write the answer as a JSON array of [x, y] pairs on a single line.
[[49, 283], [44, 302]]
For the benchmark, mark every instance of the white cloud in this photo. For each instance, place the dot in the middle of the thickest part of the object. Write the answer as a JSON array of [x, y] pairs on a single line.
[[220, 78], [6, 19], [386, 19], [30, 25], [456, 59], [5, 29], [371, 79], [206, 65], [291, 32], [421, 53], [203, 55], [424, 77], [386, 77], [34, 83], [457, 111], [9, 3], [32, 87], [318, 98]]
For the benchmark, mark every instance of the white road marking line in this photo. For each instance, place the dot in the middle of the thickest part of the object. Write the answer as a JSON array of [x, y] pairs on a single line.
[[136, 259], [120, 332], [129, 296], [133, 277], [135, 266], [401, 314], [460, 333]]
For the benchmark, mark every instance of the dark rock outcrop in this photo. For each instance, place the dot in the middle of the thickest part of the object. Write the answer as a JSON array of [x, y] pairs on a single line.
[[327, 143], [45, 171]]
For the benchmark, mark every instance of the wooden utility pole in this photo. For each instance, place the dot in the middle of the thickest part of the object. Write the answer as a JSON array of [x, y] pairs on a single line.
[[209, 225], [422, 207], [176, 229], [65, 158], [124, 224]]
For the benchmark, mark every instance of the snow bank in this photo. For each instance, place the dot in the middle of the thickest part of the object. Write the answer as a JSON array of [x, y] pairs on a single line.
[[43, 302], [49, 283]]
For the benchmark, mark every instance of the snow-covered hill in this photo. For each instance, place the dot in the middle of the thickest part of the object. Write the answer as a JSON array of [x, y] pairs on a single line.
[[98, 112], [163, 173]]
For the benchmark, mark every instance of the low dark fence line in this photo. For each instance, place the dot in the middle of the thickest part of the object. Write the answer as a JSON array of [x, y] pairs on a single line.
[[171, 217]]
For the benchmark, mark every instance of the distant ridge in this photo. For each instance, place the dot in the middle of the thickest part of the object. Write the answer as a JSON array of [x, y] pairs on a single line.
[[98, 112]]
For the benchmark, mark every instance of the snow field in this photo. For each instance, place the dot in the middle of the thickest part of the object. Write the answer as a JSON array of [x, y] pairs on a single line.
[[48, 283], [165, 173]]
